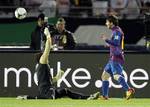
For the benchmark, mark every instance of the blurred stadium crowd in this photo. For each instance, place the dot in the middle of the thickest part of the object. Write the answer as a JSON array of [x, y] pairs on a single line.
[[91, 11], [130, 9]]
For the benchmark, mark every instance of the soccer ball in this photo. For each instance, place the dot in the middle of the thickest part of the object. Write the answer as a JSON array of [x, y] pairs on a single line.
[[20, 13]]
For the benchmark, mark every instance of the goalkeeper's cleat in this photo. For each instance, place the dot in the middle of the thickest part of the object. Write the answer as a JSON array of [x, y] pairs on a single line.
[[22, 97], [130, 93], [104, 97], [94, 96]]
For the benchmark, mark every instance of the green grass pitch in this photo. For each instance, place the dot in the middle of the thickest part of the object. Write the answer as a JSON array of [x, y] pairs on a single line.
[[66, 102]]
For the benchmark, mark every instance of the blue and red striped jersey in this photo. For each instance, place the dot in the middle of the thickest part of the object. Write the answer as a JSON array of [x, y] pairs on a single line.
[[116, 44]]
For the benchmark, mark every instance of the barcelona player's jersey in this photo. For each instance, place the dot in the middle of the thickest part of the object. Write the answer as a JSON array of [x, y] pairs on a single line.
[[116, 44]]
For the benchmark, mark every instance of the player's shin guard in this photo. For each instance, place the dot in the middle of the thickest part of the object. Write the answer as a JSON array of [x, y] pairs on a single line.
[[123, 83], [105, 88]]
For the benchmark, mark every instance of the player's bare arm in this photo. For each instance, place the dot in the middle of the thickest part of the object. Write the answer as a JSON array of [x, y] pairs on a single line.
[[45, 55]]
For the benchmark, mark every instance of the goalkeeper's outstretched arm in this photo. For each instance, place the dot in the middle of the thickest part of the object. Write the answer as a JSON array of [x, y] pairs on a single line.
[[48, 44]]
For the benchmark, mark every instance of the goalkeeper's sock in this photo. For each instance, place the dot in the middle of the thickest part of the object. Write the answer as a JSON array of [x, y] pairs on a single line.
[[105, 88], [123, 83]]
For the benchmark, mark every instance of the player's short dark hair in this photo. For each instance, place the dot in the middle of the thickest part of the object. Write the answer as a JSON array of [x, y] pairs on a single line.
[[41, 16], [113, 19], [61, 20]]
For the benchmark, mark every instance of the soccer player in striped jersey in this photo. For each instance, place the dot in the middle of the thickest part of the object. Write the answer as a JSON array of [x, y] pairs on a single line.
[[114, 67]]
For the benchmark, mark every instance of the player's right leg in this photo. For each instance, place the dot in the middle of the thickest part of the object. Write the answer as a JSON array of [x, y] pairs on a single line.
[[105, 83]]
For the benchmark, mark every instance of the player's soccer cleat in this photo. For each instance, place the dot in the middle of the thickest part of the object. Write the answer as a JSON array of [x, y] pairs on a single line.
[[22, 97], [130, 93], [94, 96], [103, 98]]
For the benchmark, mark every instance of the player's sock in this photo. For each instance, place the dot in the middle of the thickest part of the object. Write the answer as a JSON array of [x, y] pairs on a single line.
[[105, 88], [123, 83]]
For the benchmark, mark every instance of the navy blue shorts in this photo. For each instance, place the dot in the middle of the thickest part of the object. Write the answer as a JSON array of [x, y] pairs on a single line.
[[113, 68]]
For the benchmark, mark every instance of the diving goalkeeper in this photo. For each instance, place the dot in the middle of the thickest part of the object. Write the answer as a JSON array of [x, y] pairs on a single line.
[[46, 89]]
